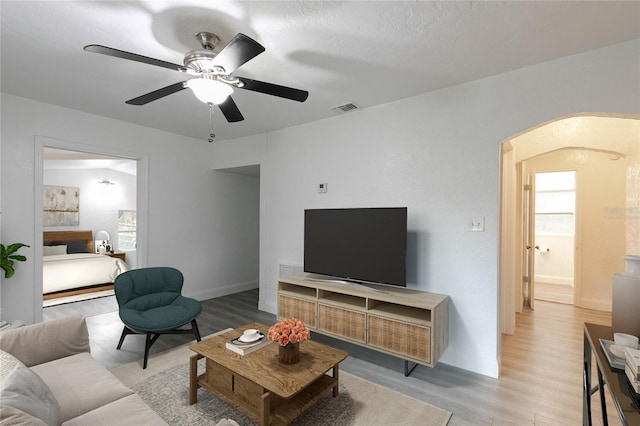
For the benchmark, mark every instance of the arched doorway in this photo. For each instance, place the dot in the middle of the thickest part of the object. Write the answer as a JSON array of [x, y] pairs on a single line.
[[603, 137]]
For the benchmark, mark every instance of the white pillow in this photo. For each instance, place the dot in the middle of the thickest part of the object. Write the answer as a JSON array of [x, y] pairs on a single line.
[[24, 390], [54, 250]]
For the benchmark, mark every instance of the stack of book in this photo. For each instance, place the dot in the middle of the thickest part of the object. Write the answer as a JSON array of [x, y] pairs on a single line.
[[632, 367], [245, 348]]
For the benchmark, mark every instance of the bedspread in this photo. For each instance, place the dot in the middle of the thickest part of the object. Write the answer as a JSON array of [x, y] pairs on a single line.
[[69, 271]]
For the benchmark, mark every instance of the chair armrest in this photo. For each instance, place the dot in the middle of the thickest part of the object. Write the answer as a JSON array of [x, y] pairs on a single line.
[[45, 341]]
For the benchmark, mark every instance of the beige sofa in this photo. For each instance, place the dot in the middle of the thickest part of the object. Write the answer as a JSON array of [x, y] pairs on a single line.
[[49, 377]]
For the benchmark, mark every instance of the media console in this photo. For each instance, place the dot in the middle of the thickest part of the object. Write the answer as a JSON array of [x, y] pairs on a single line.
[[410, 324]]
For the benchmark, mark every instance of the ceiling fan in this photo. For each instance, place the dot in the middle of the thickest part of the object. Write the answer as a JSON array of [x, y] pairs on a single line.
[[212, 82]]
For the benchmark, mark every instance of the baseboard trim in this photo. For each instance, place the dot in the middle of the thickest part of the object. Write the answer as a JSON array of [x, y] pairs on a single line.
[[224, 290], [554, 279], [596, 304]]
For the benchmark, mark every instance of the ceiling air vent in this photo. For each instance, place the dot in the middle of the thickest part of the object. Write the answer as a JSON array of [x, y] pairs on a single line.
[[342, 109]]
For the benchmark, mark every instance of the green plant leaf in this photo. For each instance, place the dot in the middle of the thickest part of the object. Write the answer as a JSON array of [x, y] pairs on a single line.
[[7, 257], [8, 270], [12, 248]]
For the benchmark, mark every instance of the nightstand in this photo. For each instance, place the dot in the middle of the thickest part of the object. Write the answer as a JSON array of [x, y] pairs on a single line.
[[119, 254]]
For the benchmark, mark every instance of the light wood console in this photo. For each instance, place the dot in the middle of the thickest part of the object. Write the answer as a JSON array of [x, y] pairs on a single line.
[[410, 324]]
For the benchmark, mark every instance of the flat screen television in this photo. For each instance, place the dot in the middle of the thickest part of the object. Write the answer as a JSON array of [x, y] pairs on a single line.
[[365, 245]]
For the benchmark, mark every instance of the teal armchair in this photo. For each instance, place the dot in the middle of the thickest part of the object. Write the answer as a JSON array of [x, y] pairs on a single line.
[[150, 302]]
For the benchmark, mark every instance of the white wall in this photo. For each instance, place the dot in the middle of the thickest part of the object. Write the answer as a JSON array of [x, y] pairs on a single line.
[[554, 261], [99, 203], [189, 204], [438, 155], [234, 232]]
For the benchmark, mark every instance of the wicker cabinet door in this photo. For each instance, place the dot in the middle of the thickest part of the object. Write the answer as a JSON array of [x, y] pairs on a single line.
[[342, 322], [304, 310], [401, 338]]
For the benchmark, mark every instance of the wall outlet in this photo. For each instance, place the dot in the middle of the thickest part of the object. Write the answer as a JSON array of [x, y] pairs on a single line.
[[476, 224], [322, 188]]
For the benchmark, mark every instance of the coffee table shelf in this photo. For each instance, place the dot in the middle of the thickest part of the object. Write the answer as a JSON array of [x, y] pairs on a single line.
[[282, 411]]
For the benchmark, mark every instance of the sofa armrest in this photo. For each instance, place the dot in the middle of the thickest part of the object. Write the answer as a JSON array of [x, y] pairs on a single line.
[[45, 341]]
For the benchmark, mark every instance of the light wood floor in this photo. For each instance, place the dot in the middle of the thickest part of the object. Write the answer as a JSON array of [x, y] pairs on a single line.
[[554, 292], [540, 382]]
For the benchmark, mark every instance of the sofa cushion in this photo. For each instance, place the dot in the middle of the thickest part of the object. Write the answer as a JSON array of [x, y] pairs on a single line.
[[53, 339], [130, 410], [24, 390], [80, 384], [11, 416]]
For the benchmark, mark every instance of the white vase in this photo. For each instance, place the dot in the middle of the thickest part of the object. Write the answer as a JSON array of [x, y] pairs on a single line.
[[633, 266], [626, 298]]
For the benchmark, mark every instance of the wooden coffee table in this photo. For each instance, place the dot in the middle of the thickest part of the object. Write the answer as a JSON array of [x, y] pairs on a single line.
[[257, 384]]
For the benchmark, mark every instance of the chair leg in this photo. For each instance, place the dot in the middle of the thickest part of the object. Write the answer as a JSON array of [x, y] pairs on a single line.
[[125, 332], [196, 331], [147, 345], [151, 338]]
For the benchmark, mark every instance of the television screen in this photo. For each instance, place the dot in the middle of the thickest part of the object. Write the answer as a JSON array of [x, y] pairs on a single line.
[[360, 244]]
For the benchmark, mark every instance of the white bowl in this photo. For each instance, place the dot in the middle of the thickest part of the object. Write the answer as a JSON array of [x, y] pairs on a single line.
[[624, 339], [617, 350]]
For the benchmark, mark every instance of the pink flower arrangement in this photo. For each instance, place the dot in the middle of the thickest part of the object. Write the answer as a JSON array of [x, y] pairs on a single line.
[[289, 330]]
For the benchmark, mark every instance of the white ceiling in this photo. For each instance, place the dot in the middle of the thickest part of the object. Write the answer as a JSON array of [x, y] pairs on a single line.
[[366, 52], [60, 159]]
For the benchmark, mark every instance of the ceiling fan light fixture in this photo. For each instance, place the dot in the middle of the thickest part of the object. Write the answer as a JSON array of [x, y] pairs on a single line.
[[210, 91]]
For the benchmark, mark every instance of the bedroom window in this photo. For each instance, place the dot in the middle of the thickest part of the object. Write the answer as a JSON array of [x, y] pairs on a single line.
[[126, 230]]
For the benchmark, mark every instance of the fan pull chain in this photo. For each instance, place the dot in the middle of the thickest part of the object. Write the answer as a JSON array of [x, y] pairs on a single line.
[[211, 134]]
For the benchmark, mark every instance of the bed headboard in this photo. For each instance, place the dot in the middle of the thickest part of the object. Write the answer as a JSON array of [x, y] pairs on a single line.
[[70, 238]]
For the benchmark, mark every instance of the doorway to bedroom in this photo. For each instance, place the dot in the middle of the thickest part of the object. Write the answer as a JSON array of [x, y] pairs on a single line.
[[104, 207]]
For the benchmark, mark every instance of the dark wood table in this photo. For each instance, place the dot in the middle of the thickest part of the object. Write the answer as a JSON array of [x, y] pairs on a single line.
[[626, 401]]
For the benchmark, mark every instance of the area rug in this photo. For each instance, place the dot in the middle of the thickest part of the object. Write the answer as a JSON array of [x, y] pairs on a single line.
[[164, 386]]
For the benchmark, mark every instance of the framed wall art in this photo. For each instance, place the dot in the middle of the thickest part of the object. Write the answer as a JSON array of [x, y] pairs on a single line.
[[61, 206]]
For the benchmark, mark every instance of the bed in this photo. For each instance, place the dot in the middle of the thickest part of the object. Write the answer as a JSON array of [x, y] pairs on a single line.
[[70, 265]]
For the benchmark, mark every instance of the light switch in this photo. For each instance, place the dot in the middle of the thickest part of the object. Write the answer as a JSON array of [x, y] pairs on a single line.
[[476, 224]]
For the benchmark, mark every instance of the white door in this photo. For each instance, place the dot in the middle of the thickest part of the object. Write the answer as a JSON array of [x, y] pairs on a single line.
[[555, 213], [528, 223]]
